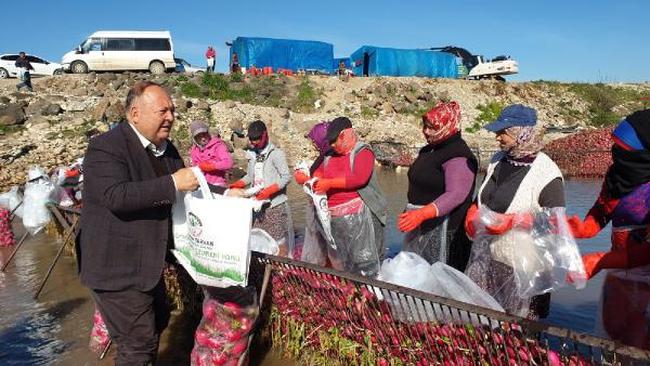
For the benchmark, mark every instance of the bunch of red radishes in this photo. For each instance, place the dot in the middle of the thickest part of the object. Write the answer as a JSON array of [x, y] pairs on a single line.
[[6, 234], [99, 336], [327, 303], [222, 336], [584, 154]]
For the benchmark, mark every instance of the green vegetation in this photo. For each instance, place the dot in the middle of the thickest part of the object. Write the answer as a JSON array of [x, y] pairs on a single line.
[[368, 112], [307, 96], [603, 99], [4, 130], [607, 104], [189, 89], [489, 112], [271, 91]]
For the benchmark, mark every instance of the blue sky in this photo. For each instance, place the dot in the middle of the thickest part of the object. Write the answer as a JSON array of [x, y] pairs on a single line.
[[580, 40]]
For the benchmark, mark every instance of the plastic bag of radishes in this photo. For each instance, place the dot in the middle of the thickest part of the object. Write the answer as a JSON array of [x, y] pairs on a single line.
[[222, 337], [99, 337], [536, 256]]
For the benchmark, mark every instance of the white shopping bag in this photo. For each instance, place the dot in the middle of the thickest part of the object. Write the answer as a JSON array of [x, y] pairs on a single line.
[[211, 236], [322, 211]]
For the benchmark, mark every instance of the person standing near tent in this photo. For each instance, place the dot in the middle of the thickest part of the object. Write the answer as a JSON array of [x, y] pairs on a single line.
[[441, 182], [209, 153], [234, 64], [357, 205], [131, 176], [268, 171], [520, 180], [211, 59]]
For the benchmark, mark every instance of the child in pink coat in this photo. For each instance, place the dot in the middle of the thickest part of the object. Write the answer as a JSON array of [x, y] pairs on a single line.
[[210, 154]]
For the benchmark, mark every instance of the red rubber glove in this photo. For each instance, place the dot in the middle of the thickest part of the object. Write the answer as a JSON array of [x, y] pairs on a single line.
[[508, 221], [268, 192], [584, 229], [238, 184], [470, 218], [300, 177], [207, 166], [72, 173], [323, 185], [592, 263], [410, 220]]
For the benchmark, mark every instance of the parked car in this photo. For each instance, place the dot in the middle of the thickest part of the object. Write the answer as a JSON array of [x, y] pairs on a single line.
[[41, 66], [122, 50], [185, 67]]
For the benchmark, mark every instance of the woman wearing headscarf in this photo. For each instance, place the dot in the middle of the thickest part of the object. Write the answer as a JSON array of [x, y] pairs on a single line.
[[625, 201], [357, 206], [441, 182], [314, 248], [268, 172], [209, 153], [520, 179]]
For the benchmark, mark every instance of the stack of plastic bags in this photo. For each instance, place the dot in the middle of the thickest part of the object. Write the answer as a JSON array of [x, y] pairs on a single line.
[[411, 270], [222, 336], [6, 235], [99, 337], [38, 190]]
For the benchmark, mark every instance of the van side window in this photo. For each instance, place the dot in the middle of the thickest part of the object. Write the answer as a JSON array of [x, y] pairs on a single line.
[[152, 44], [120, 44], [92, 44]]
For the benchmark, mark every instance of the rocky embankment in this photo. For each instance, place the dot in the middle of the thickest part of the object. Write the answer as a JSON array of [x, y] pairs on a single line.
[[49, 127]]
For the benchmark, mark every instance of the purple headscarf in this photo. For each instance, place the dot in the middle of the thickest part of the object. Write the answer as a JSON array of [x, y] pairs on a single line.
[[318, 134]]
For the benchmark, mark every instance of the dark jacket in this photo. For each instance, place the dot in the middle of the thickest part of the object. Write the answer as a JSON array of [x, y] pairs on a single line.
[[23, 63], [125, 218], [427, 183]]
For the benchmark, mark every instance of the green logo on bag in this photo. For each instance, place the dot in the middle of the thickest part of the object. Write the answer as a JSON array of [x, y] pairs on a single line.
[[196, 227]]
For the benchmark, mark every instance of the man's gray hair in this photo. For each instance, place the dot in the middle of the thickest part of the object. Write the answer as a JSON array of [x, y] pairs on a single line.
[[137, 90]]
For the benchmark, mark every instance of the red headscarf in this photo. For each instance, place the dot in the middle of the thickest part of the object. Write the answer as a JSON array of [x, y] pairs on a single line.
[[445, 119]]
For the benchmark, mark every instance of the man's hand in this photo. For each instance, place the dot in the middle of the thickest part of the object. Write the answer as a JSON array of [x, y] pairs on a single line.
[[185, 180]]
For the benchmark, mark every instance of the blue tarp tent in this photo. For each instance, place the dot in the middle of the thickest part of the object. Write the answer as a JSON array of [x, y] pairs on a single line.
[[379, 61], [283, 53]]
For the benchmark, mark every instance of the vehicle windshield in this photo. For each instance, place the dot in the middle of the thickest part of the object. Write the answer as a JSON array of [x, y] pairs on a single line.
[[91, 44]]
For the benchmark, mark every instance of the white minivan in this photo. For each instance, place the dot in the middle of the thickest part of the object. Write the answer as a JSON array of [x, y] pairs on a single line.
[[122, 50]]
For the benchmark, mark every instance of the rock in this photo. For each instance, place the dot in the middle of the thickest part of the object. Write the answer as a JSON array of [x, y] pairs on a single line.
[[37, 121], [393, 153], [42, 107], [4, 100], [12, 114], [117, 84], [115, 112], [99, 111], [202, 105], [409, 97], [52, 109]]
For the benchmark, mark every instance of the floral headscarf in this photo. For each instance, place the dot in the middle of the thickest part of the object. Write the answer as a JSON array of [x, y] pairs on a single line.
[[528, 143], [445, 119]]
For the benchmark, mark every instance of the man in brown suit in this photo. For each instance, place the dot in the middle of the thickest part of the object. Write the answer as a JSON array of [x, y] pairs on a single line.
[[131, 176]]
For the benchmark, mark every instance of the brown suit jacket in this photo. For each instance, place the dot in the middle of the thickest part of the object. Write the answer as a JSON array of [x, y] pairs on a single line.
[[126, 211]]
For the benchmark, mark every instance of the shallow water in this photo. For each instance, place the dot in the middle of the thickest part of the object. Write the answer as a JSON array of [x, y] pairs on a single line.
[[54, 329]]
